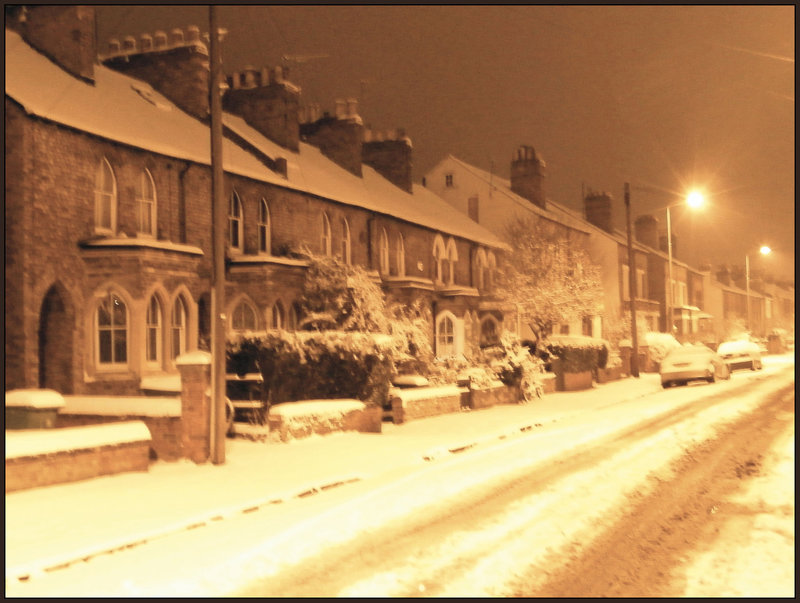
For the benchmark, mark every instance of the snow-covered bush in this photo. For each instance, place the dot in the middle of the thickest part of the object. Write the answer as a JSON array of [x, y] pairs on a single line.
[[514, 365], [659, 345], [308, 365], [578, 353]]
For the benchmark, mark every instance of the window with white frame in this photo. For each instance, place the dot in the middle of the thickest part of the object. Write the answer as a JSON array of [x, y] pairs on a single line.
[[153, 334], [111, 324], [244, 317], [383, 251], [178, 327], [276, 320], [401, 256], [264, 228], [445, 335], [452, 258], [346, 253], [105, 199], [325, 236], [235, 223], [146, 204], [439, 256]]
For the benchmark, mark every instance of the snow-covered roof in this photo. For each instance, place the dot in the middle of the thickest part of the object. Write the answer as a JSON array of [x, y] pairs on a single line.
[[310, 171], [124, 109]]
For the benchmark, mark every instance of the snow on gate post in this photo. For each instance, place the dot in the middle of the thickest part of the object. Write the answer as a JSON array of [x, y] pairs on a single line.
[[195, 369]]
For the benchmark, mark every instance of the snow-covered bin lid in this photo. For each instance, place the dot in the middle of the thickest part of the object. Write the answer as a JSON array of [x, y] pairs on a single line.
[[34, 398]]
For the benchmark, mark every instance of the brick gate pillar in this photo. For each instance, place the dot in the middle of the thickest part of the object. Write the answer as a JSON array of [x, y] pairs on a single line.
[[195, 369]]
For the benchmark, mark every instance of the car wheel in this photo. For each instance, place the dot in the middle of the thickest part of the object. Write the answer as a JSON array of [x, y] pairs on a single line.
[[752, 365], [711, 377], [666, 384]]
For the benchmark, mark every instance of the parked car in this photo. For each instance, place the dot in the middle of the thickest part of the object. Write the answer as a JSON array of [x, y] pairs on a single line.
[[742, 354], [692, 363]]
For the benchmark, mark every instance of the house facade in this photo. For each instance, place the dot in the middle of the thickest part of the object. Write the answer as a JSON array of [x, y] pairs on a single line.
[[109, 215], [493, 201]]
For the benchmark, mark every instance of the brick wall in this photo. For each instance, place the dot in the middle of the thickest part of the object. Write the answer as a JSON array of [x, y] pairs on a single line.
[[73, 465], [165, 432]]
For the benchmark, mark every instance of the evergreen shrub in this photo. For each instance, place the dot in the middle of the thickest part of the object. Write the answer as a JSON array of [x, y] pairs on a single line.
[[577, 354]]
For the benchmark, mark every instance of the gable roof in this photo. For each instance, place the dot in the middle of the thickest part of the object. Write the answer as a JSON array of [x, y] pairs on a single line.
[[126, 110]]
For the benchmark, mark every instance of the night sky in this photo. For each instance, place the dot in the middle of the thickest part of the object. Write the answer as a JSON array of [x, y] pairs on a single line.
[[666, 98]]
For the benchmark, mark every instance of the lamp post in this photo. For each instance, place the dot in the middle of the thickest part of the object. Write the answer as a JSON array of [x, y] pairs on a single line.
[[694, 200], [764, 250], [634, 362]]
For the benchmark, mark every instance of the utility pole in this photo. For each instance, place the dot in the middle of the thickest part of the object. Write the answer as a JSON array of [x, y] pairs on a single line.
[[219, 219], [632, 286]]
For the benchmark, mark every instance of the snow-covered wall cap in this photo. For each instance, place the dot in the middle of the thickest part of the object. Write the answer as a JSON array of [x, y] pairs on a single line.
[[157, 42], [34, 398], [193, 358]]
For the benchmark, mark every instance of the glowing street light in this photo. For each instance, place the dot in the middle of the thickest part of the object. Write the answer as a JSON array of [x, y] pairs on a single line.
[[694, 199], [764, 250]]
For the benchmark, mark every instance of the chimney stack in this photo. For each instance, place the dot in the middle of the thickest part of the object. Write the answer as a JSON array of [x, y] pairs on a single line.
[[267, 101], [63, 33], [599, 210], [176, 66], [647, 230], [527, 175], [389, 154], [339, 138]]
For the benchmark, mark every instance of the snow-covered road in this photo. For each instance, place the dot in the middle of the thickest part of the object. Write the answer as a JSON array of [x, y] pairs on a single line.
[[255, 552]]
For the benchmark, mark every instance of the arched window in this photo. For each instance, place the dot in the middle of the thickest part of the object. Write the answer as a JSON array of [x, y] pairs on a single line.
[[325, 239], [345, 242], [293, 319], [178, 327], [244, 317], [383, 250], [235, 223], [276, 320], [439, 255], [153, 335], [445, 335], [146, 204], [112, 331], [105, 199], [264, 228], [480, 269], [401, 256], [452, 258], [490, 331]]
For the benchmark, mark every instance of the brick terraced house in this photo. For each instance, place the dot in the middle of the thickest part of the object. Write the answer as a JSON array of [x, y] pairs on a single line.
[[108, 208]]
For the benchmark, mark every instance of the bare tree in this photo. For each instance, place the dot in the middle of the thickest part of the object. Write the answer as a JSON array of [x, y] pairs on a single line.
[[548, 275]]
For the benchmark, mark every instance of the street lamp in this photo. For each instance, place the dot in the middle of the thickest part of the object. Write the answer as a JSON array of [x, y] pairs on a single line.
[[764, 250], [694, 200]]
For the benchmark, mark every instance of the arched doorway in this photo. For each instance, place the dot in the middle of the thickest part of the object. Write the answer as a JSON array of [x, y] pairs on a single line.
[[56, 323]]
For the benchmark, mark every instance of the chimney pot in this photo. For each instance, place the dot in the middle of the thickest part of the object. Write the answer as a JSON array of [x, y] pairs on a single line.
[[147, 42], [193, 34], [114, 46], [129, 44], [160, 39], [341, 109], [176, 37], [265, 76]]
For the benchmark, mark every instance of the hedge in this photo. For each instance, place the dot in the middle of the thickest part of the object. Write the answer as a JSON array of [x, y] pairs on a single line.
[[577, 354]]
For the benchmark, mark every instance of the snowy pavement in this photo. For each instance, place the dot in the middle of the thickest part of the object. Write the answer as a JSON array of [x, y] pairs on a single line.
[[54, 525]]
